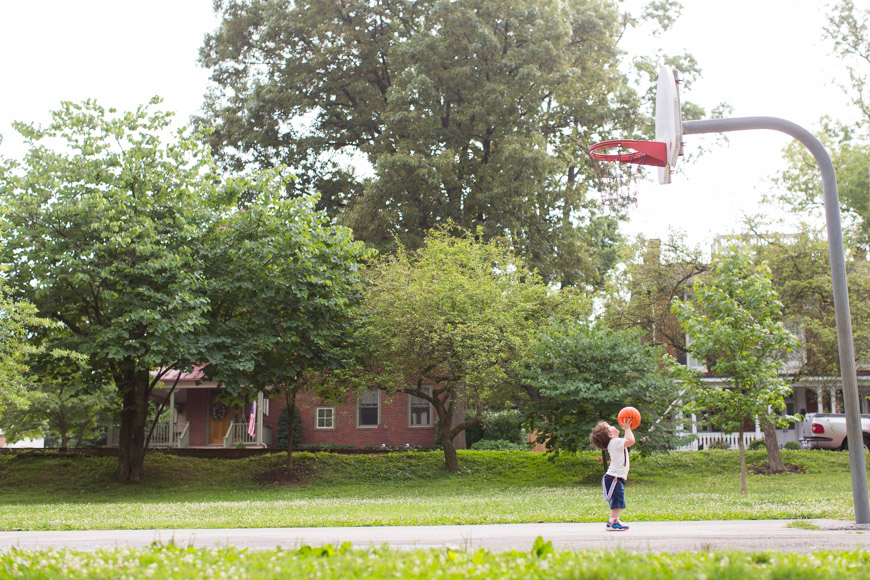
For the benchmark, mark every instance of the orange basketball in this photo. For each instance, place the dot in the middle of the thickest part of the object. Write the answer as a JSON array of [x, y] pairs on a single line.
[[629, 413]]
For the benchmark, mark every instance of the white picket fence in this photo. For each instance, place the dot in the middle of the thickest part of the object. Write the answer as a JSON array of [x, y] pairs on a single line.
[[706, 440]]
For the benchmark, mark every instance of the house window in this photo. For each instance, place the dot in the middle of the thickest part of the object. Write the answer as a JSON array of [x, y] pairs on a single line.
[[324, 417], [368, 409], [420, 410]]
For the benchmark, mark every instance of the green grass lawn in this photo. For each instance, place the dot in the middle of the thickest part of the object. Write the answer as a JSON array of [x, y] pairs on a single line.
[[64, 493], [330, 562]]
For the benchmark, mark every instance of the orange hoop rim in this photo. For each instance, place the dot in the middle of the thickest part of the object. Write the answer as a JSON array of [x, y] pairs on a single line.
[[651, 153]]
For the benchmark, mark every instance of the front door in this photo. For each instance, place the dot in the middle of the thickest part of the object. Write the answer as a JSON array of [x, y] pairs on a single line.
[[219, 418]]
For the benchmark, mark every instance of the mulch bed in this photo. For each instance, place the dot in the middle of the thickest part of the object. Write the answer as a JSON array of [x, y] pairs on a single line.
[[764, 469], [282, 477]]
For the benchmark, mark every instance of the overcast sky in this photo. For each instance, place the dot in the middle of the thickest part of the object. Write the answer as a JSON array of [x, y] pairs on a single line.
[[763, 57]]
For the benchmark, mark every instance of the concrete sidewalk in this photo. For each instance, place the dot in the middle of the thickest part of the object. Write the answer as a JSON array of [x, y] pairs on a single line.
[[746, 535]]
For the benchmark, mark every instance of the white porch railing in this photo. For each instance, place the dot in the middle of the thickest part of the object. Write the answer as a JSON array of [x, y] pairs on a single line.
[[160, 437], [238, 433], [183, 439], [705, 440]]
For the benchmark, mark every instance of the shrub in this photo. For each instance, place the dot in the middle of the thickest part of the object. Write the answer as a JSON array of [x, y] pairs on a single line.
[[498, 445], [283, 429], [793, 445], [504, 426], [717, 444], [756, 443]]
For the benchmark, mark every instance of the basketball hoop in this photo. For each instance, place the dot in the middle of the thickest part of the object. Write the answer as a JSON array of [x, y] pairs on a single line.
[[667, 148], [642, 152]]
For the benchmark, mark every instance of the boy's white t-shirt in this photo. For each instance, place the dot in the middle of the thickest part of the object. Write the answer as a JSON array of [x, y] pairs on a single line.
[[619, 461]]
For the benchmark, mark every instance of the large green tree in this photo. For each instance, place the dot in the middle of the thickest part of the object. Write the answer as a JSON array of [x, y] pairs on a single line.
[[18, 321], [587, 372], [283, 286], [457, 315], [64, 398], [406, 114], [123, 232], [101, 220], [801, 274], [848, 29], [734, 321], [638, 295]]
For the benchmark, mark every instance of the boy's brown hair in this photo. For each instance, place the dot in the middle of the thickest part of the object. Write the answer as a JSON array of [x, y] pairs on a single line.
[[600, 435]]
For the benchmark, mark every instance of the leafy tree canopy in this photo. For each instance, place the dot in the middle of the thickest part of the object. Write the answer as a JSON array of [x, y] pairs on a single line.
[[124, 233], [459, 315], [586, 373], [638, 295], [734, 321], [405, 115]]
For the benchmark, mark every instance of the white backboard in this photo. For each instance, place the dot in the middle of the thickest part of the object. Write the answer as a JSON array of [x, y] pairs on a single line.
[[669, 119]]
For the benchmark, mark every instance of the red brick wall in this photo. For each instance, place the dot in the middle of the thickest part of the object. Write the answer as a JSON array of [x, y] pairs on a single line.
[[393, 429]]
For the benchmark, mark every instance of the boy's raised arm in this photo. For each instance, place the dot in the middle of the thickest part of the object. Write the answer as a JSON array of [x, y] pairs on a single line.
[[629, 435]]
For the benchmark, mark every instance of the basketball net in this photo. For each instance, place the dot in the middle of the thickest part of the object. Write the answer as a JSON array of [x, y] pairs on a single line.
[[618, 186]]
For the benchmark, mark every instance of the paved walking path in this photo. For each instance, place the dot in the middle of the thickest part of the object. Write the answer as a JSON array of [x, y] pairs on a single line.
[[746, 535]]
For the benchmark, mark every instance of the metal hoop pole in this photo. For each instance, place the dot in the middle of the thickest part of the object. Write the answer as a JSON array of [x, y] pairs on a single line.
[[838, 279]]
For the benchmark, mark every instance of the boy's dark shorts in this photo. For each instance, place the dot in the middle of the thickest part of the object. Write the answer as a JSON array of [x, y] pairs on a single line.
[[617, 500]]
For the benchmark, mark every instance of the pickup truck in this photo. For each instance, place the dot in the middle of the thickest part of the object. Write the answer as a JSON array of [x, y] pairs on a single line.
[[828, 431]]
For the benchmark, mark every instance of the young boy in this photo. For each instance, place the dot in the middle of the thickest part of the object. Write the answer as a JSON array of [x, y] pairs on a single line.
[[605, 436]]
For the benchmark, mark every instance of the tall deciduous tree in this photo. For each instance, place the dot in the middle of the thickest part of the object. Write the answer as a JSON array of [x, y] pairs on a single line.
[[18, 322], [125, 235], [586, 373], [457, 315], [101, 220], [64, 398], [802, 183], [848, 29], [734, 320], [283, 287], [801, 274], [639, 295], [477, 111]]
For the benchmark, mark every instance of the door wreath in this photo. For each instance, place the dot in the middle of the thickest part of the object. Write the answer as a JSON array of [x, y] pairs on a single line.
[[218, 411]]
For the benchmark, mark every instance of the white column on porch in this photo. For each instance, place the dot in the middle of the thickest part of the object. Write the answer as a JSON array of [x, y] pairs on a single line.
[[833, 393], [172, 419], [819, 401], [260, 419]]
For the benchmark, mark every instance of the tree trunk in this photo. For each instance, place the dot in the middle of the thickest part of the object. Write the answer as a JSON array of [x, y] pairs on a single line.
[[445, 417], [774, 458], [450, 457], [742, 448], [135, 386], [458, 417], [62, 430], [290, 395]]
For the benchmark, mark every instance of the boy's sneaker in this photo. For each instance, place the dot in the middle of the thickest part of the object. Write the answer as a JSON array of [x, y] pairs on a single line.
[[616, 526]]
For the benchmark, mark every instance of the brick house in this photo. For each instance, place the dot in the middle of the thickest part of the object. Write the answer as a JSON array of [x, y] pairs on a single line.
[[370, 419]]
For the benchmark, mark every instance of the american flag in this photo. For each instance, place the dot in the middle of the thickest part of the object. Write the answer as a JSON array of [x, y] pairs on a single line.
[[252, 422]]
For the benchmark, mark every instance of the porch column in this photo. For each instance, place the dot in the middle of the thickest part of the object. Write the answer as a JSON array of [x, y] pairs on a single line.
[[819, 400], [833, 393], [260, 419], [800, 399], [172, 419]]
